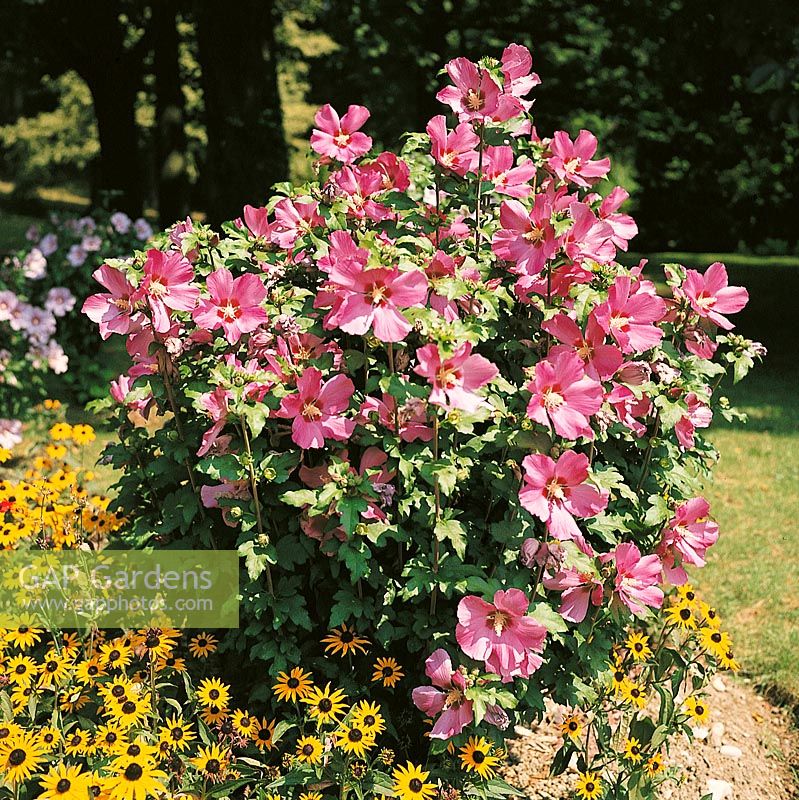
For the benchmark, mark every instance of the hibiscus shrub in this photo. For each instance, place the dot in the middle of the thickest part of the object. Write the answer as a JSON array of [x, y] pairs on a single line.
[[56, 268], [452, 437]]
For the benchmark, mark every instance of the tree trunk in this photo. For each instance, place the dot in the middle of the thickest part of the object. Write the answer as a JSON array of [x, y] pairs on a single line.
[[88, 36], [246, 151], [170, 137], [119, 182]]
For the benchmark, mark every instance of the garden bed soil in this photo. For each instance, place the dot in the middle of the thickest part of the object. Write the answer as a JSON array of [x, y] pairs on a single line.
[[751, 752]]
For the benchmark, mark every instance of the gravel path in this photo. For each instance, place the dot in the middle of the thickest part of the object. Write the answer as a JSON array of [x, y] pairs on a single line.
[[749, 752]]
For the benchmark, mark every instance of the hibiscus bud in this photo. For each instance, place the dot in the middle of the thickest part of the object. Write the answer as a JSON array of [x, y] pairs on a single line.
[[555, 555], [634, 373], [401, 361], [529, 550], [329, 193], [496, 716]]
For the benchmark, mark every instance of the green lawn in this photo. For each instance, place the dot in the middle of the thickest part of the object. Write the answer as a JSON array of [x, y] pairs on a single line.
[[12, 231], [753, 571]]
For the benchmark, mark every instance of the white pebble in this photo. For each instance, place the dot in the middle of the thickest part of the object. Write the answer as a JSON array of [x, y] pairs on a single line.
[[700, 732], [719, 790], [718, 684], [731, 751], [716, 732]]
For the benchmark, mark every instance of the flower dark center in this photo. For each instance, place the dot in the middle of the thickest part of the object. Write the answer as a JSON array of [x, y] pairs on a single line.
[[17, 757], [133, 772], [63, 786]]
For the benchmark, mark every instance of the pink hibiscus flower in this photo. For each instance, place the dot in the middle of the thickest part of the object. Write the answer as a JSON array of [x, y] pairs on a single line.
[[711, 297], [589, 237], [630, 409], [507, 179], [601, 360], [234, 304], [688, 535], [371, 298], [114, 311], [526, 237], [474, 96], [358, 186], [215, 404], [454, 151], [519, 79], [292, 220], [579, 590], [558, 491], [446, 698], [637, 578], [341, 138], [571, 161], [167, 285], [257, 220], [623, 225], [316, 409], [628, 315], [411, 417], [500, 634], [456, 379], [394, 172], [699, 416], [563, 396]]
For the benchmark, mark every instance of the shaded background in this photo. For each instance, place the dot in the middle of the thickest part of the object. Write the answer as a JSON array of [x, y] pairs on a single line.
[[201, 105]]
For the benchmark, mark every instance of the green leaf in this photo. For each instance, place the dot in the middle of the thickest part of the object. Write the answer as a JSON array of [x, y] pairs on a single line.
[[545, 615], [350, 509], [299, 498], [255, 563], [561, 759], [452, 530]]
